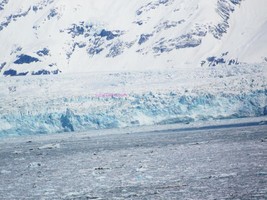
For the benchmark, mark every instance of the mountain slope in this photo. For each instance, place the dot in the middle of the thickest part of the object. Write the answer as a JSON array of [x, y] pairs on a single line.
[[53, 36]]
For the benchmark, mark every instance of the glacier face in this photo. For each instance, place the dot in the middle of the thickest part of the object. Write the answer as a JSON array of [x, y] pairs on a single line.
[[145, 109], [54, 36], [67, 103]]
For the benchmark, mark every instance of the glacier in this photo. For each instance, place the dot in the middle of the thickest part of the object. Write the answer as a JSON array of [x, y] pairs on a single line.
[[82, 102]]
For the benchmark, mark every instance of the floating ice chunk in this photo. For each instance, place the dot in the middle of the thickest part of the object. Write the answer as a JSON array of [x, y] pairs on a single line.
[[50, 146], [5, 172], [34, 165]]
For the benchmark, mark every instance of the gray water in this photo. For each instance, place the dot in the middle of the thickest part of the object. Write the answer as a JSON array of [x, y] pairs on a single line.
[[213, 162]]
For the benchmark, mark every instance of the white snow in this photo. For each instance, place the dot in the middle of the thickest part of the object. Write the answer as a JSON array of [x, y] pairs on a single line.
[[46, 24]]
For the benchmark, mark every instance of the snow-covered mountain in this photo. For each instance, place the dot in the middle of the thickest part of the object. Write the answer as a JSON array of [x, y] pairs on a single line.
[[129, 63], [54, 36]]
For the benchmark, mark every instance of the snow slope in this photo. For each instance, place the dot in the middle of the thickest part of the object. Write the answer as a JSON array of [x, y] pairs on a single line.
[[53, 36]]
